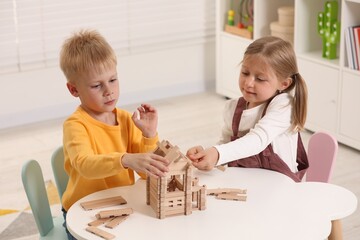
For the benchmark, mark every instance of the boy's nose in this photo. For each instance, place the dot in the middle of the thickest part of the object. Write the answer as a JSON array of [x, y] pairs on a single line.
[[108, 91]]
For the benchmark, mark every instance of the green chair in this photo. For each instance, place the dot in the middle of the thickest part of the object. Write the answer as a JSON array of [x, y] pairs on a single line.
[[57, 164], [33, 181]]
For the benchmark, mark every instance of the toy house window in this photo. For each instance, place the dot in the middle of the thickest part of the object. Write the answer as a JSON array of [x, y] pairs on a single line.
[[175, 183]]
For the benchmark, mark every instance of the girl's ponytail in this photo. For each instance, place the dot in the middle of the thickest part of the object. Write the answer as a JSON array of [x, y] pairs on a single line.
[[299, 102]]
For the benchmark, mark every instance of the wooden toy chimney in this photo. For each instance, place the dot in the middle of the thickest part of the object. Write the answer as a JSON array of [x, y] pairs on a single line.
[[178, 192]]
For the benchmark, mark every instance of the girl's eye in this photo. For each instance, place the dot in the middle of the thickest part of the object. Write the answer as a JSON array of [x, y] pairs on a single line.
[[113, 80], [245, 73], [260, 79]]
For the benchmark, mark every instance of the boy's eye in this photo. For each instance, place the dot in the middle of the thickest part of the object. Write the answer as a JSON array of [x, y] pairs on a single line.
[[113, 80], [95, 86]]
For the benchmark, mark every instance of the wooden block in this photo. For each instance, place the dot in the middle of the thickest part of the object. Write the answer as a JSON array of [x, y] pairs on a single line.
[[114, 213], [105, 202], [161, 214], [174, 208], [116, 221], [100, 233], [231, 197], [173, 155], [148, 190], [176, 211], [99, 221], [236, 190], [196, 188], [215, 191], [221, 167], [225, 190], [179, 184], [154, 206], [174, 194], [243, 32], [195, 181]]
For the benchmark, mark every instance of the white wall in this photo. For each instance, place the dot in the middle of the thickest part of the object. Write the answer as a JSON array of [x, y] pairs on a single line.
[[40, 95]]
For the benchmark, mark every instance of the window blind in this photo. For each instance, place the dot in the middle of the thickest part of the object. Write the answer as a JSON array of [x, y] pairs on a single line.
[[32, 31], [8, 40]]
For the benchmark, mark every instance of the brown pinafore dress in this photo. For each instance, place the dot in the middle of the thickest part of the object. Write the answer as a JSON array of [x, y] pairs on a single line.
[[267, 159]]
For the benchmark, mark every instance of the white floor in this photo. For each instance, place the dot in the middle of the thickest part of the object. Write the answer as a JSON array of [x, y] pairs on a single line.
[[184, 121]]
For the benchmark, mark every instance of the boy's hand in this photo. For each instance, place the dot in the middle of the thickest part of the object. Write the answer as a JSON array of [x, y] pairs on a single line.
[[146, 119], [148, 163], [203, 159]]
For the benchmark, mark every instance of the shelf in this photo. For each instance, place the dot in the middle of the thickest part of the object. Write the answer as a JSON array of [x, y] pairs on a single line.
[[315, 56], [245, 40], [352, 71], [242, 32], [332, 85]]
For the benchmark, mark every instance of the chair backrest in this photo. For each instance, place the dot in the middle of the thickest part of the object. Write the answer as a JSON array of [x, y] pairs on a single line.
[[322, 152], [34, 186], [57, 164]]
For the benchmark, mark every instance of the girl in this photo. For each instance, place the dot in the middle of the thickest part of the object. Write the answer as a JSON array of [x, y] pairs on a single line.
[[262, 127]]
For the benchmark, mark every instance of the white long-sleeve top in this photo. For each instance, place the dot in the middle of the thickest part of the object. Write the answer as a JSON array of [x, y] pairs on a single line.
[[273, 127]]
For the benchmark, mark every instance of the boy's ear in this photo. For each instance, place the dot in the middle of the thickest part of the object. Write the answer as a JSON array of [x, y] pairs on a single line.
[[72, 89], [285, 84]]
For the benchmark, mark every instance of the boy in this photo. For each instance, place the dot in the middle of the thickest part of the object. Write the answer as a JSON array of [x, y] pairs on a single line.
[[103, 145]]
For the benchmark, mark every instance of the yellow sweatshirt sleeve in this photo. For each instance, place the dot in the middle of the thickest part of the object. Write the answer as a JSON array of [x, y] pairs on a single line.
[[95, 149]]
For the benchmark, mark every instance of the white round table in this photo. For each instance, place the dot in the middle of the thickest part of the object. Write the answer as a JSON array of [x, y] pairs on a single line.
[[276, 208]]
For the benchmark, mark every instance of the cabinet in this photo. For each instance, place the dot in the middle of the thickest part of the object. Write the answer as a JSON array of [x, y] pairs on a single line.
[[333, 87]]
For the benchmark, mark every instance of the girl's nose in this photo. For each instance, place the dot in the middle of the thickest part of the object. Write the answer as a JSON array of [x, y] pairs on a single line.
[[249, 81]]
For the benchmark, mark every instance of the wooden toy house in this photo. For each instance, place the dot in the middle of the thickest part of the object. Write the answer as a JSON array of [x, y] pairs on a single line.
[[178, 192]]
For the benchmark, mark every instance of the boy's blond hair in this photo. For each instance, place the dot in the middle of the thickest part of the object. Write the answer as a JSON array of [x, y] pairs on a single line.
[[85, 51]]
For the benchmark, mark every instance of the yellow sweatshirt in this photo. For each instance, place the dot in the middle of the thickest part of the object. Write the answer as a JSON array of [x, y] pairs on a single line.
[[93, 150]]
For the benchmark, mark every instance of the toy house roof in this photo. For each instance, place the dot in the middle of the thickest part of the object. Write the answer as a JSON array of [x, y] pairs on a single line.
[[178, 161]]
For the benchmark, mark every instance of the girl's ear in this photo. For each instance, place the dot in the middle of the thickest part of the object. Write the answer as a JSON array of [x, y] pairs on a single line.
[[285, 84], [72, 89]]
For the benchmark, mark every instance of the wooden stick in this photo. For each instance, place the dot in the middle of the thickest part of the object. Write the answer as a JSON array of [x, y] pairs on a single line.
[[105, 202], [100, 233], [221, 167], [217, 191], [114, 213], [116, 221], [231, 197], [99, 221]]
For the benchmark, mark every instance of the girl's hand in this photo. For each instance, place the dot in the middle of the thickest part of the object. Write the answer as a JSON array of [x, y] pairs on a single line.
[[148, 163], [205, 159], [146, 119], [191, 153]]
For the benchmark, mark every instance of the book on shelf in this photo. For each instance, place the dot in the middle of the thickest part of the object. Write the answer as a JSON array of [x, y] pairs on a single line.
[[356, 31], [352, 42]]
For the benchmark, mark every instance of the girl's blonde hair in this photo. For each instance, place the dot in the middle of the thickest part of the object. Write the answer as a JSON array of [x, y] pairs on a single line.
[[280, 56], [85, 51]]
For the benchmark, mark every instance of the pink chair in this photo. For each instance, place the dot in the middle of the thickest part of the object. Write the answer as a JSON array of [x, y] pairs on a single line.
[[322, 151]]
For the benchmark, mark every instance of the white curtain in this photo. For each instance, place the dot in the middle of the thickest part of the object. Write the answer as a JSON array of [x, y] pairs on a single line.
[[32, 31]]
